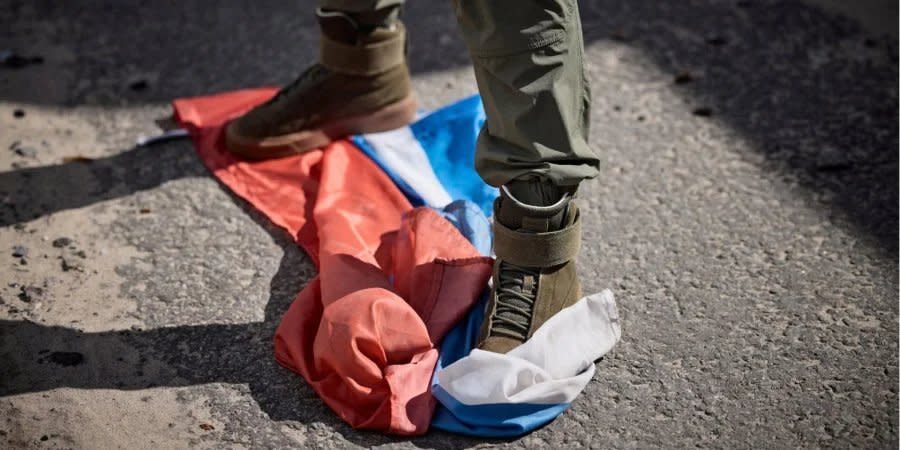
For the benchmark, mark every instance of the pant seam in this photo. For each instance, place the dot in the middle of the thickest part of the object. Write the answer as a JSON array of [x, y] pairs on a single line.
[[552, 37]]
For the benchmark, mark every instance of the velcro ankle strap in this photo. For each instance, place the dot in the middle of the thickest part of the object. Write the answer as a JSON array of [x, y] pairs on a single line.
[[366, 59], [537, 249]]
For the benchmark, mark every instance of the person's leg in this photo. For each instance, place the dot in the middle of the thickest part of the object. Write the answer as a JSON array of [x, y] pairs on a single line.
[[527, 56], [528, 62], [359, 84]]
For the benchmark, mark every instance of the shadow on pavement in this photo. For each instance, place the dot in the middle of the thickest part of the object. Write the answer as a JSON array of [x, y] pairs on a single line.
[[36, 358], [815, 96], [35, 192], [778, 73]]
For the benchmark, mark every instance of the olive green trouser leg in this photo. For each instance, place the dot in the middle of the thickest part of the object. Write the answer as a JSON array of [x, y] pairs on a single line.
[[528, 60]]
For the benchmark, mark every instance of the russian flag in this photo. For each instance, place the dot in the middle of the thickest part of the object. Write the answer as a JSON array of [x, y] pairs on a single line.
[[397, 223]]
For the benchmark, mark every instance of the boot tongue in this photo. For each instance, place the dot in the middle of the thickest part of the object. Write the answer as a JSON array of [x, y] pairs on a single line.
[[516, 293], [533, 205], [535, 192], [380, 18], [338, 26], [356, 28]]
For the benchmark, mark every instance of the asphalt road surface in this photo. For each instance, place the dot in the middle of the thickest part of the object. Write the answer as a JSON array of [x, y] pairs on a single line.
[[745, 217]]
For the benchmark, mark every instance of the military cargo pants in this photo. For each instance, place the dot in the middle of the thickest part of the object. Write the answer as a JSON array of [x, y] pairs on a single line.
[[528, 57]]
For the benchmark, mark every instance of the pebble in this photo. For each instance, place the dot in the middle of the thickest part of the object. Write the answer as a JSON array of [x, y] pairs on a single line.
[[62, 242], [703, 112], [26, 152], [139, 85], [69, 265], [29, 293], [683, 78], [20, 251], [15, 61]]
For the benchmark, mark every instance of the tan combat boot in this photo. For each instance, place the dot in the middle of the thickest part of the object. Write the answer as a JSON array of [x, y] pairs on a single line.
[[361, 84], [537, 234]]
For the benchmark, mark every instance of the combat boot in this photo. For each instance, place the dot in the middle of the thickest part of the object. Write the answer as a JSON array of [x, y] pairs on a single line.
[[537, 234], [361, 84]]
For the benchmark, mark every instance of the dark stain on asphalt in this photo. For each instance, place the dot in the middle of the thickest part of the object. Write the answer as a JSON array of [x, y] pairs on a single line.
[[717, 41], [66, 359], [139, 85], [683, 78]]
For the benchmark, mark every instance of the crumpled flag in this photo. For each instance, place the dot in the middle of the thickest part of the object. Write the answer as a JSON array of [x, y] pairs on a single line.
[[483, 393], [433, 159], [392, 280], [385, 318]]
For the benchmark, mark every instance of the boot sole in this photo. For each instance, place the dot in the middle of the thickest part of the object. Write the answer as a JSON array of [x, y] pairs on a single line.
[[395, 115]]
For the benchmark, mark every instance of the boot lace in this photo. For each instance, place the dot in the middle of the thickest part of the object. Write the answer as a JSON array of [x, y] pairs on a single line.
[[515, 301]]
